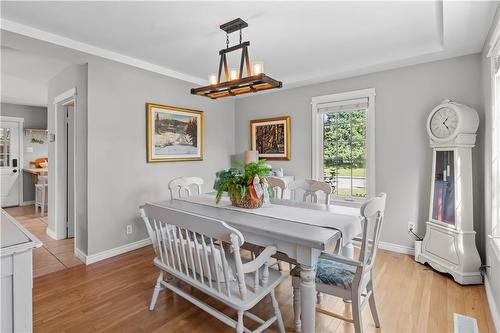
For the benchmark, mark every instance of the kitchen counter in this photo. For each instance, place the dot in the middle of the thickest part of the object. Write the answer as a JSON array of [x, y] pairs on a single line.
[[35, 172]]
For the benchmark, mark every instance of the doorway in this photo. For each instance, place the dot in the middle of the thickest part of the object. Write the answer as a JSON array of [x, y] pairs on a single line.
[[62, 169], [69, 159], [11, 159]]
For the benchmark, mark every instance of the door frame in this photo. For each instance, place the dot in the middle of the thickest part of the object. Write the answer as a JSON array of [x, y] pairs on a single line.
[[20, 164], [60, 226]]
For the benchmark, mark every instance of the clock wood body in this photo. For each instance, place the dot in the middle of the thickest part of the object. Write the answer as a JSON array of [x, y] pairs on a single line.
[[449, 244]]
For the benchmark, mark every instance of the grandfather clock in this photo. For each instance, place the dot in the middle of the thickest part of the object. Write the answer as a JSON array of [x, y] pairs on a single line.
[[449, 244]]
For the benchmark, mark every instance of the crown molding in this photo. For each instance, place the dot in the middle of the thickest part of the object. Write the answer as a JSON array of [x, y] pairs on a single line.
[[49, 37]]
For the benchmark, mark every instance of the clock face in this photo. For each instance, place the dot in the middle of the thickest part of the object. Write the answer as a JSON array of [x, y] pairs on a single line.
[[443, 123]]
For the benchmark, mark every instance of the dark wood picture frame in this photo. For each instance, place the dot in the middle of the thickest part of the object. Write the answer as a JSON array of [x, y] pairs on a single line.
[[283, 133]]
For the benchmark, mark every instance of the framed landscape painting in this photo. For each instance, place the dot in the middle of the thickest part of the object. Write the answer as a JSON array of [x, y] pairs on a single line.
[[271, 138], [173, 134]]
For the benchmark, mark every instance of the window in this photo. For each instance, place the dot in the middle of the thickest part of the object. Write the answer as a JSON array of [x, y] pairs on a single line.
[[4, 147], [343, 143]]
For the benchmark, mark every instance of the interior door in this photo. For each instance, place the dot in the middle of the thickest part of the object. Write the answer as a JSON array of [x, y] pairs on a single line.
[[70, 169], [9, 162]]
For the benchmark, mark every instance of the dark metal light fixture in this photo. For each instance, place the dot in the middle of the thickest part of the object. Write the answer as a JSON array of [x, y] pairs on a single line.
[[235, 83]]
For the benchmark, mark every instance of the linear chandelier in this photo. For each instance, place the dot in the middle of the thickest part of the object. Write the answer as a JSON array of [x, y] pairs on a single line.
[[235, 83]]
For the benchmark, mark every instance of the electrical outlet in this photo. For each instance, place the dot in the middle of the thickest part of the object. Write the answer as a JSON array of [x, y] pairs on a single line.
[[129, 229], [411, 226]]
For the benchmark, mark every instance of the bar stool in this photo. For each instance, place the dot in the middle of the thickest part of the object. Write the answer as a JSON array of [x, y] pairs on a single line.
[[41, 194]]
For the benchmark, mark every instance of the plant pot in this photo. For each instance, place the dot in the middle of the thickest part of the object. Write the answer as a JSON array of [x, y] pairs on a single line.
[[245, 202]]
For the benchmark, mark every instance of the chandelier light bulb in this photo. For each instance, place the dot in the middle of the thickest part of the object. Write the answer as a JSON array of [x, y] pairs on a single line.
[[257, 67], [233, 74], [212, 79]]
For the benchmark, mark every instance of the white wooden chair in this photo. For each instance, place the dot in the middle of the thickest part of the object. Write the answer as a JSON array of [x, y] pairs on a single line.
[[278, 185], [205, 253], [310, 188], [41, 194], [183, 184], [346, 278]]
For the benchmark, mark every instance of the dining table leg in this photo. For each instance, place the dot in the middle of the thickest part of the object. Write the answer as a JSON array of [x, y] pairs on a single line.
[[348, 251], [308, 298]]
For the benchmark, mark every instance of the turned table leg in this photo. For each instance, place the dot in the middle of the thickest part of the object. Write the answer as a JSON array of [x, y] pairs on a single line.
[[348, 251], [308, 298]]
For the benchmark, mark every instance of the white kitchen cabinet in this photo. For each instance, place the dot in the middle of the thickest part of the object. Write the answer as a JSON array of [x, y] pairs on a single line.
[[16, 245]]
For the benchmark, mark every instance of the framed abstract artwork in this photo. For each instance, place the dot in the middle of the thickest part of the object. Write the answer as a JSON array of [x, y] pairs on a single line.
[[173, 134], [271, 137]]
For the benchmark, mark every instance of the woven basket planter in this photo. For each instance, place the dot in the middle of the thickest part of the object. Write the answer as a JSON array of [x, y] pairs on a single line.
[[245, 201]]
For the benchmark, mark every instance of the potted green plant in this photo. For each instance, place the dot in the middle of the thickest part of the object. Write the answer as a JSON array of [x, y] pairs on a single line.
[[245, 185]]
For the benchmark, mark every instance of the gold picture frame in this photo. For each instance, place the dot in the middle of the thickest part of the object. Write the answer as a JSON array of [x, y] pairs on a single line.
[[174, 134], [277, 131]]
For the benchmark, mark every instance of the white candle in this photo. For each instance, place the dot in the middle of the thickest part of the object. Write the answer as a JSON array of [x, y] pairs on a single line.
[[251, 156]]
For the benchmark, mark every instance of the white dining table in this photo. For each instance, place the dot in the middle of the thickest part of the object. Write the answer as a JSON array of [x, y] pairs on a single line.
[[302, 243]]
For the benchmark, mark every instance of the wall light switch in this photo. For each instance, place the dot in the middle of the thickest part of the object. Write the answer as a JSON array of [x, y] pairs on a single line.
[[29, 149]]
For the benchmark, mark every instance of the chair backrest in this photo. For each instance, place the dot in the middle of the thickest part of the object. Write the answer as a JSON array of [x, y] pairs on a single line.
[[310, 188], [278, 184], [373, 215], [196, 249], [183, 184]]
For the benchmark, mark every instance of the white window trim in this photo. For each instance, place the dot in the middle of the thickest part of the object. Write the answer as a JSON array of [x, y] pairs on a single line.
[[491, 196], [495, 107], [317, 130]]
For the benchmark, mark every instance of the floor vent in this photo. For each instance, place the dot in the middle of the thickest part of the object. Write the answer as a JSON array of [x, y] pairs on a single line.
[[464, 324]]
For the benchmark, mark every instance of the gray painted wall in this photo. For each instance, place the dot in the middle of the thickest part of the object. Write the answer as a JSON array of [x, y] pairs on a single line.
[[405, 97], [119, 178], [34, 117], [74, 76]]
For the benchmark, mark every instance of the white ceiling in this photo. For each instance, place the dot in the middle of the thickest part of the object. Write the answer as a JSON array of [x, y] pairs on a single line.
[[25, 76], [300, 42]]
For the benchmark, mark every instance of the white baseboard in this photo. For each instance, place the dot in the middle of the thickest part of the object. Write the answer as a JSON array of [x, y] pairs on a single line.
[[80, 255], [396, 248], [51, 233], [495, 315], [392, 247], [28, 203], [90, 259]]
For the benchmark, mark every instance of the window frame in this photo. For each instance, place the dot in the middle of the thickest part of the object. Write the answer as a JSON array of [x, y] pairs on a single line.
[[317, 140], [492, 134], [495, 152]]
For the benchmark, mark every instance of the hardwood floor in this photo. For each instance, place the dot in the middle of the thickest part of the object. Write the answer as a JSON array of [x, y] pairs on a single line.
[[54, 255], [113, 296]]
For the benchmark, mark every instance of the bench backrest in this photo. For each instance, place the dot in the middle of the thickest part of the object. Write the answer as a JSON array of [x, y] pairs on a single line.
[[203, 252]]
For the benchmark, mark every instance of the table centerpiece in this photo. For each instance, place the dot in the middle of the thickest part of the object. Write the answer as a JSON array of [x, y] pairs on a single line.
[[246, 184]]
